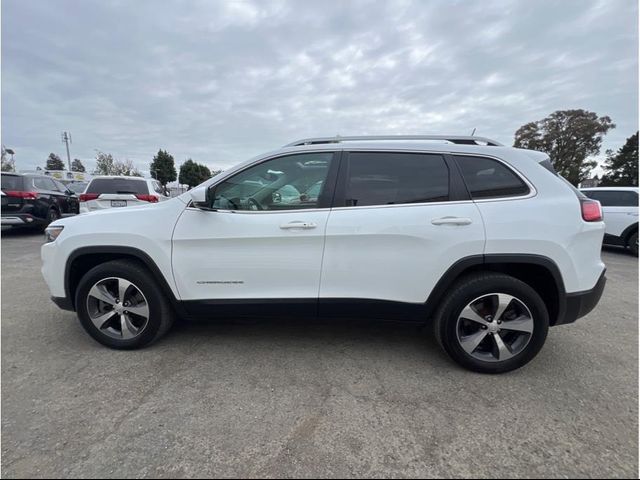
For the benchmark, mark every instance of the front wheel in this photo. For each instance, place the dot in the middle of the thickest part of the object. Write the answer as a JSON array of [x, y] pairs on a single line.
[[120, 305], [492, 323]]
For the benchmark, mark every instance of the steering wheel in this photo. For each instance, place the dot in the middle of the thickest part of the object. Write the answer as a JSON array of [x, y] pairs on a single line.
[[254, 204]]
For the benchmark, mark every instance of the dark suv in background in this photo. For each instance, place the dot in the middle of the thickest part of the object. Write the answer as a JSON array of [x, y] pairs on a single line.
[[35, 200]]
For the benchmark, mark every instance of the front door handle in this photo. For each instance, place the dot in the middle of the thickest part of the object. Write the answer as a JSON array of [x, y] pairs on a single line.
[[303, 225], [451, 221]]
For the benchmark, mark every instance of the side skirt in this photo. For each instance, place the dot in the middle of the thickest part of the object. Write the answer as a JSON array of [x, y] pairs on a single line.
[[329, 308]]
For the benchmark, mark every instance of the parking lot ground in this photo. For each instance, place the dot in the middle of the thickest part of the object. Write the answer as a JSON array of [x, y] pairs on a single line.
[[301, 399]]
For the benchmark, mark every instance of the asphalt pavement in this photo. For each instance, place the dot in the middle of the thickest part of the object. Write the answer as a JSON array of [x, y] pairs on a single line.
[[310, 399]]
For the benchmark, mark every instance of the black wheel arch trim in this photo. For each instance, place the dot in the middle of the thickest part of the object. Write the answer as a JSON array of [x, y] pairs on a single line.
[[628, 232], [458, 268], [120, 250]]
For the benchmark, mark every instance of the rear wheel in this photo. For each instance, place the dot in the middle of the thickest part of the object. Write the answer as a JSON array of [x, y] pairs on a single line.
[[120, 305], [632, 243], [492, 323]]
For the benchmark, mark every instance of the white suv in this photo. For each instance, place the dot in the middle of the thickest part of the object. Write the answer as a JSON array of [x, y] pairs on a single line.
[[120, 191], [485, 242], [620, 210]]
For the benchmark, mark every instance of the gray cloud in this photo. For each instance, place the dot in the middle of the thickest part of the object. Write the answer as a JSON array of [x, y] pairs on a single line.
[[223, 81]]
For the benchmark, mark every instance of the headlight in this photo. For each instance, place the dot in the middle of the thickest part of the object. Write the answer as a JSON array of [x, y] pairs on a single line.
[[51, 233]]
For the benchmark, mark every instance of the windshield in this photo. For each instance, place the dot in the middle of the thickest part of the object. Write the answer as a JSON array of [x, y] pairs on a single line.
[[77, 187]]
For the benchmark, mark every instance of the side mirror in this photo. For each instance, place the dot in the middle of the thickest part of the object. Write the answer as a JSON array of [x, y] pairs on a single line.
[[201, 198]]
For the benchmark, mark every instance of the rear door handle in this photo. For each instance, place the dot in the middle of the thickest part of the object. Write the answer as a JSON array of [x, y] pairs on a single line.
[[451, 221], [303, 225]]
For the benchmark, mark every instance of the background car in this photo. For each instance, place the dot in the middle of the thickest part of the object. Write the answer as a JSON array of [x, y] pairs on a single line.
[[119, 191], [35, 200], [620, 209]]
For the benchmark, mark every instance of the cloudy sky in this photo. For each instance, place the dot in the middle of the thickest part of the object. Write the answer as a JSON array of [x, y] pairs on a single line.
[[221, 81]]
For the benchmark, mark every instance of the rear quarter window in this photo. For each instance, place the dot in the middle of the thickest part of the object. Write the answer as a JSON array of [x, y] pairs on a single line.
[[489, 178], [117, 185]]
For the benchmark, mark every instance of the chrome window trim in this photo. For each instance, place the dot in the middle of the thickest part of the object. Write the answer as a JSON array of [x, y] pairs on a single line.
[[532, 190], [258, 162]]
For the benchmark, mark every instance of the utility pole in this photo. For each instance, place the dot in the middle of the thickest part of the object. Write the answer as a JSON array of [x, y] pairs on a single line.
[[66, 139]]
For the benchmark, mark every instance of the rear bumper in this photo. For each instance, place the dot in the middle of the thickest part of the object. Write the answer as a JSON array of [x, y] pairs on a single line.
[[580, 304], [20, 219]]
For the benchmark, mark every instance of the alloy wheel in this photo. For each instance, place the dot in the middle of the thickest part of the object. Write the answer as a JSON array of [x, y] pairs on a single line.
[[118, 308], [494, 327]]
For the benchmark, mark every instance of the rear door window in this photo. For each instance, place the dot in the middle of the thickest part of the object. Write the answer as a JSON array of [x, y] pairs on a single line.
[[489, 178], [614, 198], [117, 185], [42, 183], [390, 178]]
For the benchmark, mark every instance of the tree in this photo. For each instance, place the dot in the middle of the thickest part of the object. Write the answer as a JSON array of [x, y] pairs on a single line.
[[125, 167], [54, 162], [569, 137], [621, 169], [163, 168], [192, 173], [77, 166], [104, 164], [8, 164]]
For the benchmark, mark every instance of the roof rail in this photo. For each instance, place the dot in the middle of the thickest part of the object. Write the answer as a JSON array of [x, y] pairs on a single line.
[[457, 139]]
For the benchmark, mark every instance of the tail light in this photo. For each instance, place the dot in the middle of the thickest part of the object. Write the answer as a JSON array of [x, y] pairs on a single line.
[[591, 210], [85, 197], [148, 198], [24, 195]]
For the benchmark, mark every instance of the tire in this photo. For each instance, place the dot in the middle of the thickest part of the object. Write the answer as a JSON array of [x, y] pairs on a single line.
[[52, 216], [143, 293], [480, 291], [632, 243]]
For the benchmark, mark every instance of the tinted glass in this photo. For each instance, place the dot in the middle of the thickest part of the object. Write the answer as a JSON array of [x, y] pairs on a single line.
[[614, 198], [284, 183], [11, 182], [77, 187], [380, 178], [486, 178], [42, 183], [158, 187], [117, 185], [60, 186]]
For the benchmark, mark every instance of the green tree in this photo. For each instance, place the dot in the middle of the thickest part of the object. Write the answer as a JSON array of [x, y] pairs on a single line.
[[621, 168], [77, 166], [163, 168], [104, 164], [54, 162], [569, 137], [192, 173]]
